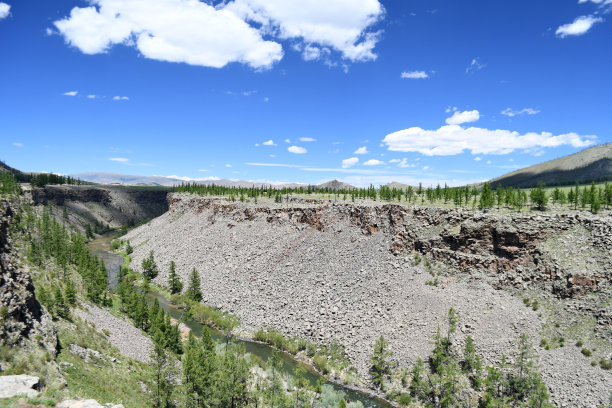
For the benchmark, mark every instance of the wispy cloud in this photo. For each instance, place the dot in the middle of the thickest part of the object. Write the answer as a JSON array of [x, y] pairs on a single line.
[[119, 159], [307, 139], [414, 75], [17, 144], [373, 162], [517, 112], [474, 66], [92, 96], [70, 93], [273, 165], [579, 26], [361, 150], [120, 98], [269, 143]]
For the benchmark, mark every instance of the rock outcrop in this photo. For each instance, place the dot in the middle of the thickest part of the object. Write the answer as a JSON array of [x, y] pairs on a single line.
[[16, 385], [22, 317]]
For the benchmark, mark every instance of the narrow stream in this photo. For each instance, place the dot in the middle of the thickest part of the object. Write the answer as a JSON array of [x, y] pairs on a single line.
[[101, 248]]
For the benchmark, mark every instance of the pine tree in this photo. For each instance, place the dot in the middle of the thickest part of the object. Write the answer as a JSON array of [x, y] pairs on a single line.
[[70, 293], [487, 199], [61, 309], [175, 284], [538, 196], [380, 367], [194, 293], [162, 374], [149, 267], [128, 248]]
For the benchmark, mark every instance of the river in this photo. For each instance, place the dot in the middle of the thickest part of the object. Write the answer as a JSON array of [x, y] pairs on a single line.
[[101, 248]]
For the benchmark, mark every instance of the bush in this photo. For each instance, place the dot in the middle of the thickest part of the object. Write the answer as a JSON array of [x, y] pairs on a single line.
[[115, 244], [605, 364], [579, 343], [404, 400], [320, 362], [586, 352], [535, 305]]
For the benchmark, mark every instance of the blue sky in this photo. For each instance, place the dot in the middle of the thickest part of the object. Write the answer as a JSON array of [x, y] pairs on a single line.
[[364, 91]]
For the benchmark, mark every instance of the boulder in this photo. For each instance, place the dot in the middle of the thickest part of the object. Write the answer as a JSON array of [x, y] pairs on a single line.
[[14, 385]]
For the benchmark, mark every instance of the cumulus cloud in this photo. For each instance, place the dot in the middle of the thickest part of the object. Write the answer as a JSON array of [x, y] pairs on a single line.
[[119, 159], [581, 25], [269, 143], [307, 139], [414, 75], [70, 93], [373, 162], [297, 150], [453, 139], [199, 33], [474, 66], [361, 150], [463, 117], [5, 10], [346, 163], [514, 112], [404, 164]]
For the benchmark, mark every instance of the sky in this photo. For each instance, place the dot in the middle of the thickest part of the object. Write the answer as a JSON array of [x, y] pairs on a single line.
[[364, 91]]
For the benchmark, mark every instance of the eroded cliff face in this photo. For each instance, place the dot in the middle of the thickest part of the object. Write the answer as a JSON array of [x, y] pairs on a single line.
[[508, 247], [24, 322], [107, 205], [346, 273]]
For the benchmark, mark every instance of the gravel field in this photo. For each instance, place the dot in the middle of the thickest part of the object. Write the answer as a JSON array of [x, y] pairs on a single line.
[[130, 341]]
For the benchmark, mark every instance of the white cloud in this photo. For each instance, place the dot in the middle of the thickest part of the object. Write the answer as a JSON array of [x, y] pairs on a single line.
[[119, 159], [273, 155], [394, 160], [463, 117], [248, 93], [266, 99], [17, 144], [191, 32], [307, 139], [414, 75], [346, 163], [287, 141], [404, 164], [91, 96], [5, 10], [323, 22], [228, 165], [200, 33], [120, 98], [202, 169], [477, 158], [525, 111], [474, 66], [361, 150], [71, 93], [580, 26], [297, 149], [373, 162], [273, 165], [453, 139], [489, 162], [183, 178], [269, 143], [425, 167]]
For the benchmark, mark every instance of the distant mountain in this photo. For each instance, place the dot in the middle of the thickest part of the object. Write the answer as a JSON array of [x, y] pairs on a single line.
[[5, 168], [133, 180], [398, 186], [594, 163], [335, 185]]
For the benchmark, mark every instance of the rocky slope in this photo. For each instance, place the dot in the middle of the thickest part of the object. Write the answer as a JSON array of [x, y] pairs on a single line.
[[346, 273], [24, 322]]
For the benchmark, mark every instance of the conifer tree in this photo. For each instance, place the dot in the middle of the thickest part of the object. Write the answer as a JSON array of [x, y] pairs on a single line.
[[194, 292], [487, 199], [175, 284], [380, 367], [70, 292], [61, 309], [149, 267]]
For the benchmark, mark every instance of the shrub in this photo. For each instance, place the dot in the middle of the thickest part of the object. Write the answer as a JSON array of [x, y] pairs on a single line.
[[320, 362], [579, 343], [605, 364], [535, 305], [404, 400], [586, 352]]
